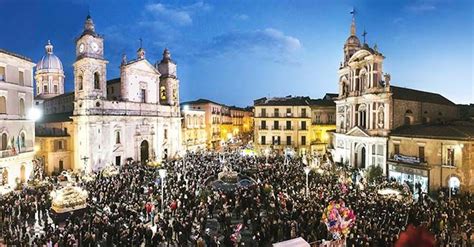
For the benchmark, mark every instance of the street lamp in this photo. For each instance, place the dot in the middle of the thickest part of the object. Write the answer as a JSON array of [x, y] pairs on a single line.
[[162, 173], [307, 170]]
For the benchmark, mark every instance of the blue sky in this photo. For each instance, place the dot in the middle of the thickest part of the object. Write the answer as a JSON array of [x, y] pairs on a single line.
[[237, 51]]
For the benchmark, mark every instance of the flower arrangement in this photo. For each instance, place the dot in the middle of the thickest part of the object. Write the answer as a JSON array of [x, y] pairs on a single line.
[[338, 218]]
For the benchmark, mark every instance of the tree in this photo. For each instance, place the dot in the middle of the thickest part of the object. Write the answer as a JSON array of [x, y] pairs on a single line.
[[374, 173]]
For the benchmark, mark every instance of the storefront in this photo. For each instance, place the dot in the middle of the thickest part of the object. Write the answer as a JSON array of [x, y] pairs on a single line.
[[410, 174]]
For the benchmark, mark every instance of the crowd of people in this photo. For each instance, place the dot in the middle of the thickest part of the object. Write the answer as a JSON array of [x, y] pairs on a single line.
[[125, 210]]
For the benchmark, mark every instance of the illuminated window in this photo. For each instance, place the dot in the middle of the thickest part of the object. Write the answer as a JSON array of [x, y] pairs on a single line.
[[450, 157], [163, 92], [2, 73], [3, 105]]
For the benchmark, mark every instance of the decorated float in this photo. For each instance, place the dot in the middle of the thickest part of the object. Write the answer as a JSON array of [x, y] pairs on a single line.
[[68, 199], [339, 219], [155, 164]]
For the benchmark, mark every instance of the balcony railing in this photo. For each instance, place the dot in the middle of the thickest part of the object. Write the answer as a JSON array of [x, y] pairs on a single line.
[[275, 143], [276, 128], [263, 127], [413, 160], [288, 128]]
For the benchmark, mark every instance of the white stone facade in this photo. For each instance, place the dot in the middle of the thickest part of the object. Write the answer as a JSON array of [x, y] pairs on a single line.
[[17, 131], [369, 107], [121, 119]]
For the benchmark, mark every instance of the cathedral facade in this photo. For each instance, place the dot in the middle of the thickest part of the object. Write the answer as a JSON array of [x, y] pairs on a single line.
[[369, 107], [135, 116]]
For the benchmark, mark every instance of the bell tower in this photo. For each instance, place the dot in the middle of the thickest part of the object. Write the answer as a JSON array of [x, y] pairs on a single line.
[[352, 43], [90, 67], [169, 83]]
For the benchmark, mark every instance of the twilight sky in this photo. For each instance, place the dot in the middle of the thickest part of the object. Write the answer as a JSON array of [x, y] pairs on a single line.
[[237, 51]]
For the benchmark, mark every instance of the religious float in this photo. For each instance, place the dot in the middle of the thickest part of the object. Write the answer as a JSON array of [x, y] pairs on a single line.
[[339, 220], [110, 171], [68, 199]]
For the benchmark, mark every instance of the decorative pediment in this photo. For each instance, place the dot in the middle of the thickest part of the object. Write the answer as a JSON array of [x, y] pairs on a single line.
[[357, 131], [141, 65]]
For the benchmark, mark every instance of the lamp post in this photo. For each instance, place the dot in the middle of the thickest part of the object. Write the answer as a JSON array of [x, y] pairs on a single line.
[[307, 170], [162, 173]]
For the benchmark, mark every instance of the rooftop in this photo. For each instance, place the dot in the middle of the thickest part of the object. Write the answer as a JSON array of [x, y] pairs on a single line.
[[15, 55], [460, 130], [294, 101], [417, 95]]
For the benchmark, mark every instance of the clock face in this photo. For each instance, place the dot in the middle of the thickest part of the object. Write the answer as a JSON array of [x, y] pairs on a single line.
[[81, 48], [95, 47]]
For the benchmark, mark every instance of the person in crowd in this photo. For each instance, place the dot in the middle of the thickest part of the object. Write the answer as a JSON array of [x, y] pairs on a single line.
[[125, 210]]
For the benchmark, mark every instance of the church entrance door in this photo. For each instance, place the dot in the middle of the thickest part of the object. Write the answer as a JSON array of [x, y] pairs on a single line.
[[144, 151]]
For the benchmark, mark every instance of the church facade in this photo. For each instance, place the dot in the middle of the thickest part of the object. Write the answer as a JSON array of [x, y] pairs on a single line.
[[135, 116], [369, 107]]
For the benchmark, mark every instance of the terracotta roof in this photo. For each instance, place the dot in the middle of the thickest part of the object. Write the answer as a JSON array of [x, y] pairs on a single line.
[[461, 130], [15, 55], [417, 95]]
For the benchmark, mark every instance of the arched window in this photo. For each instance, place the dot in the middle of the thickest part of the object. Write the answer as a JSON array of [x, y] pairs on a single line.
[[408, 117], [407, 120], [22, 140], [96, 80], [362, 116], [79, 83], [22, 108], [3, 105], [381, 117], [117, 137], [4, 141], [45, 89]]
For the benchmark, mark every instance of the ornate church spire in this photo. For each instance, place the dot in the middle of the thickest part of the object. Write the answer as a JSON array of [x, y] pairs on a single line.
[[353, 25], [89, 25]]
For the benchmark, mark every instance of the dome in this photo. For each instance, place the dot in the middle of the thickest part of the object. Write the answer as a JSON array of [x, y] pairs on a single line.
[[353, 40], [49, 61]]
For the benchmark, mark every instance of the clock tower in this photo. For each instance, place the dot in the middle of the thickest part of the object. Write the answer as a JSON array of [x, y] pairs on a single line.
[[89, 68]]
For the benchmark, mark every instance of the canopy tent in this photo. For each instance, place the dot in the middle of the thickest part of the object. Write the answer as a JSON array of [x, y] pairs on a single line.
[[296, 242]]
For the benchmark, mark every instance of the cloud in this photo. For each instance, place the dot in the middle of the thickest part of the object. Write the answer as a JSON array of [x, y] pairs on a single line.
[[270, 43], [241, 17], [421, 6], [181, 15]]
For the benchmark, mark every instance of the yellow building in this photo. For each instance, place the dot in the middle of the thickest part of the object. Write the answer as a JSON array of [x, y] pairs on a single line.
[[55, 146], [300, 123], [433, 155], [194, 129], [222, 123]]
